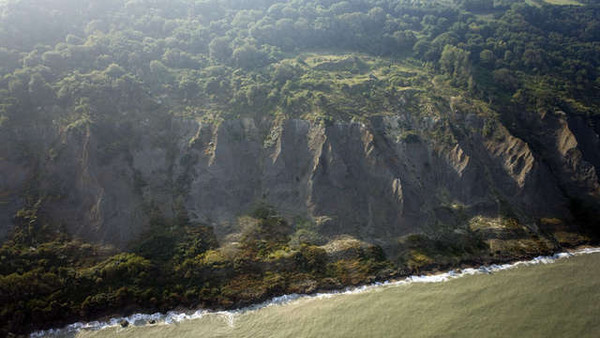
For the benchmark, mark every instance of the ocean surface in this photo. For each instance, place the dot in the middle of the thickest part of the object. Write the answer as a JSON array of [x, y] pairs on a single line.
[[557, 296]]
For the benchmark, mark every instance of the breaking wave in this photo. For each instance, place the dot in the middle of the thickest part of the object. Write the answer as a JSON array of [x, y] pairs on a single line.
[[172, 317]]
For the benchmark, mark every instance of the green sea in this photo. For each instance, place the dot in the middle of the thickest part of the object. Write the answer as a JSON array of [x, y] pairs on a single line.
[[559, 299]]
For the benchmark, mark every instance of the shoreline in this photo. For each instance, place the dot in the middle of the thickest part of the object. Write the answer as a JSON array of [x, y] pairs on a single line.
[[174, 316]]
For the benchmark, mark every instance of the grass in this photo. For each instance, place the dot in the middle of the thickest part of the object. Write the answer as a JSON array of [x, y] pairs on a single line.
[[351, 86], [564, 2], [319, 86]]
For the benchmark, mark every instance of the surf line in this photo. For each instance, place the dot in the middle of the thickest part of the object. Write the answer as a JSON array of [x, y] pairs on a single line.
[[173, 317]]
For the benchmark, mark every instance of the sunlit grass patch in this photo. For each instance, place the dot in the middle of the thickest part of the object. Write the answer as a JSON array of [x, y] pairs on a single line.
[[564, 2]]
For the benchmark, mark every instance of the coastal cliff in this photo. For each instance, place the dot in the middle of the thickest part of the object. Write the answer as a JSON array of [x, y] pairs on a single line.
[[377, 180]]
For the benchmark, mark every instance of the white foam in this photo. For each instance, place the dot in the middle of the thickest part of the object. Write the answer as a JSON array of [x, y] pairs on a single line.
[[173, 317]]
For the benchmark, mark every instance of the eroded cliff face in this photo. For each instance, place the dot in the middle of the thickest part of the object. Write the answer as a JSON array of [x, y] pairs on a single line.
[[376, 181]]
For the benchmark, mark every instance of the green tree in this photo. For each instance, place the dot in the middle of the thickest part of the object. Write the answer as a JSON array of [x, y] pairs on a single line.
[[219, 49], [248, 57], [114, 71], [160, 71], [454, 61], [487, 58]]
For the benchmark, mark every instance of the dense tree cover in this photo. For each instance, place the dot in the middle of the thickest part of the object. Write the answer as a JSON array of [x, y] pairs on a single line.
[[175, 264], [48, 279], [224, 56]]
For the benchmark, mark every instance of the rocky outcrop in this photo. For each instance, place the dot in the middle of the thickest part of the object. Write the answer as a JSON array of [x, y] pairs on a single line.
[[376, 180]]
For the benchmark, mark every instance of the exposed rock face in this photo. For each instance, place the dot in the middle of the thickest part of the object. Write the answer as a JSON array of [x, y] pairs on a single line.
[[375, 181]]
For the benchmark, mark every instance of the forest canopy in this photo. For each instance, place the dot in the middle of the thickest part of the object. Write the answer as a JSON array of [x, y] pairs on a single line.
[[62, 59]]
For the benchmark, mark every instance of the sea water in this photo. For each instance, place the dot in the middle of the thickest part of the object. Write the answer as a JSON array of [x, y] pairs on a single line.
[[555, 295]]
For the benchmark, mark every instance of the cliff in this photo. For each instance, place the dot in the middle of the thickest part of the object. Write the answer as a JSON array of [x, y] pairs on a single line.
[[377, 180]]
